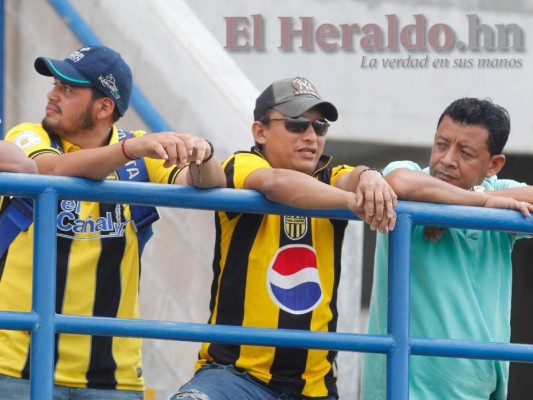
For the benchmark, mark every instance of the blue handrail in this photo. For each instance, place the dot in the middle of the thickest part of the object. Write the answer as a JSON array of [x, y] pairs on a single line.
[[397, 344]]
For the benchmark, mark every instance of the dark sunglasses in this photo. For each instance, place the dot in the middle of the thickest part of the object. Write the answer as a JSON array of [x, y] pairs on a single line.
[[301, 124]]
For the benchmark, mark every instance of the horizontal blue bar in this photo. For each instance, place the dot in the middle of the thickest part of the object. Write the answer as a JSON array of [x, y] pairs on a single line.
[[194, 332], [232, 200], [18, 321], [472, 349]]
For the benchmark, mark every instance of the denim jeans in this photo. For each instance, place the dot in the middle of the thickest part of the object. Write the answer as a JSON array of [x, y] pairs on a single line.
[[19, 389], [224, 382]]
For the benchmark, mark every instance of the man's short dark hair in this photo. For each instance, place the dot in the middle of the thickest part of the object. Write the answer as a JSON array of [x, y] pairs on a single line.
[[484, 113]]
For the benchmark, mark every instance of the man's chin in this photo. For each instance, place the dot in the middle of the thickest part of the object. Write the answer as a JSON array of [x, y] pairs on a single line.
[[49, 126]]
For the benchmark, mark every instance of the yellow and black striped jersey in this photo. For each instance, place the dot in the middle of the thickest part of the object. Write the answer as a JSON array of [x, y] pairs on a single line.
[[98, 270], [273, 271]]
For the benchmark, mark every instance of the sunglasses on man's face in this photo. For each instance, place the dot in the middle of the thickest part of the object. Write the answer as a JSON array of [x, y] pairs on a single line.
[[301, 124]]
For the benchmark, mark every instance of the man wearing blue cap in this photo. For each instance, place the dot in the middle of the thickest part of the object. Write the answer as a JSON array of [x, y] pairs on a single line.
[[98, 245], [282, 272]]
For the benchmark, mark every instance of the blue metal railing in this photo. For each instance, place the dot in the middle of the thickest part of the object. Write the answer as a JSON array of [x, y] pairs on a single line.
[[397, 344]]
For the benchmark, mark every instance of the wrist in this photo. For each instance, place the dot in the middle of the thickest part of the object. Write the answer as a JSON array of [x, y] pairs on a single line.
[[485, 198], [212, 152], [370, 169], [124, 153], [351, 201]]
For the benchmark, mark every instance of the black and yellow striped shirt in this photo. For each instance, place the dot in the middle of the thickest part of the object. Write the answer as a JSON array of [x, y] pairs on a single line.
[[98, 270], [274, 271]]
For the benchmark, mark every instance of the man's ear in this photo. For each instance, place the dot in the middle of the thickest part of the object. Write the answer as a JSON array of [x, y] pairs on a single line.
[[104, 107], [496, 164], [258, 130]]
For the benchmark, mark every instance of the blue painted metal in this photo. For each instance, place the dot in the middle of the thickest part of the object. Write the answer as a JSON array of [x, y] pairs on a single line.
[[397, 344], [398, 308], [194, 332], [471, 349], [44, 296], [86, 36], [23, 321]]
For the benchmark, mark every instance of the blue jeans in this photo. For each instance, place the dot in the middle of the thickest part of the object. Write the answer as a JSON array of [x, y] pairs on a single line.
[[224, 382], [19, 389]]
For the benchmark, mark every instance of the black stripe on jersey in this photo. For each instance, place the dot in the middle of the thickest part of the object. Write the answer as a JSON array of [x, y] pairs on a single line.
[[324, 175], [339, 227], [217, 255], [229, 171], [5, 202], [3, 264], [102, 366], [173, 175], [289, 364], [63, 252], [233, 282]]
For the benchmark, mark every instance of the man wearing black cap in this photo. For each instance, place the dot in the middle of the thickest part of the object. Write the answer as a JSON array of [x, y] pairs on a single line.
[[283, 272], [98, 245]]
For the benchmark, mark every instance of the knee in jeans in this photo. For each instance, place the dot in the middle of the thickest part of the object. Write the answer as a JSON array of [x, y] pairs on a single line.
[[190, 395]]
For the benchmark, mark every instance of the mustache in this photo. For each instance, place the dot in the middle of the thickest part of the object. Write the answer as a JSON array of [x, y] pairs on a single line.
[[55, 106]]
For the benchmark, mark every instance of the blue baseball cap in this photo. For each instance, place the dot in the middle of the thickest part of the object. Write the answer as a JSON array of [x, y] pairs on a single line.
[[93, 66]]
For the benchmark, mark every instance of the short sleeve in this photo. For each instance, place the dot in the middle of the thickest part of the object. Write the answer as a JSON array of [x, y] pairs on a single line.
[[338, 171], [401, 164], [31, 138], [240, 165]]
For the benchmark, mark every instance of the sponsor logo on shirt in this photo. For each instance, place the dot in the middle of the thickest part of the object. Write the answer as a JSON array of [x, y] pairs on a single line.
[[293, 281], [72, 226]]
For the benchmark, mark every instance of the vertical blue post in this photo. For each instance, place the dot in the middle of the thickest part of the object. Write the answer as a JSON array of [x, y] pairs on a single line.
[[398, 309], [44, 296]]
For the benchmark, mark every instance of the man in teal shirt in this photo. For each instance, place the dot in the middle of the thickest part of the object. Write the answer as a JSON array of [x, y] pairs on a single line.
[[460, 278]]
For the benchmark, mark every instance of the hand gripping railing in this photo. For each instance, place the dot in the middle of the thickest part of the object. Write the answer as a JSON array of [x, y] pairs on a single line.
[[44, 323]]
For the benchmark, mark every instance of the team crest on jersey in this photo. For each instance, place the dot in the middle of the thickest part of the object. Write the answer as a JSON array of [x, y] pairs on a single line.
[[295, 227], [293, 281], [27, 139]]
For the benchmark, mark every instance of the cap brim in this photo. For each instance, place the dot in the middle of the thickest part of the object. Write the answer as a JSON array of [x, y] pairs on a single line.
[[297, 107], [61, 70]]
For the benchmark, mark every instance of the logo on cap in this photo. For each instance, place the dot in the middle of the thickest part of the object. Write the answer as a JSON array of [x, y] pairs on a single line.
[[109, 82], [293, 281], [78, 55], [303, 86]]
